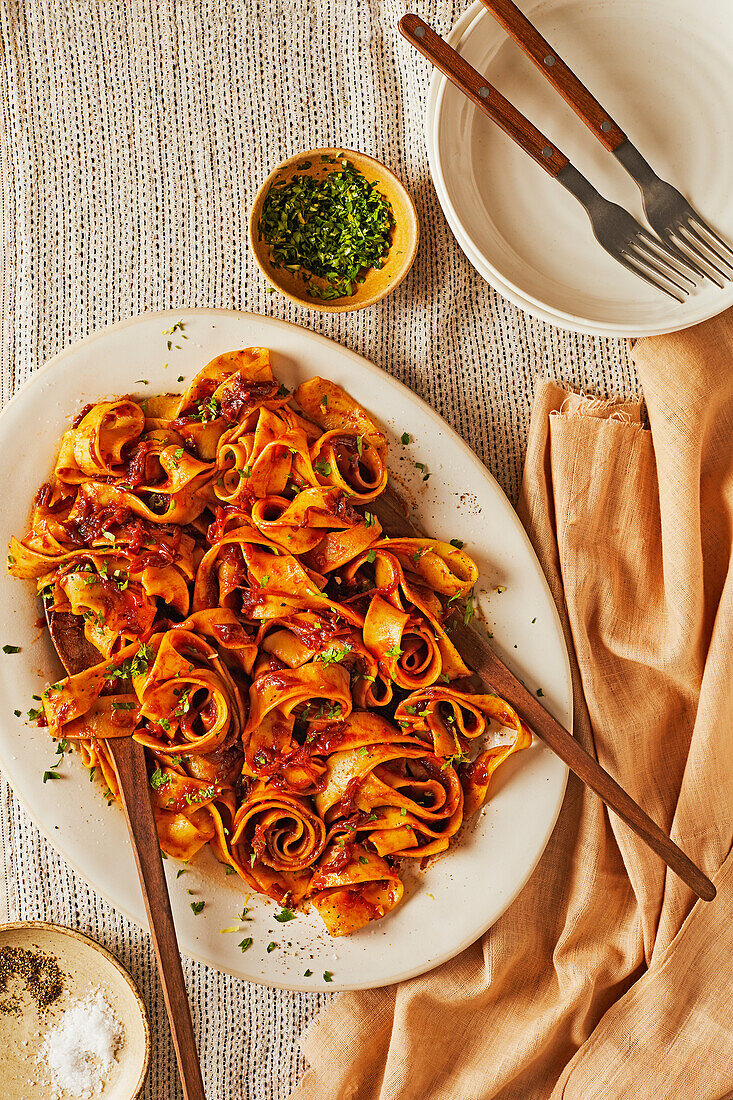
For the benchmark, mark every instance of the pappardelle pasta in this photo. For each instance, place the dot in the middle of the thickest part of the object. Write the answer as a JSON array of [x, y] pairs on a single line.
[[286, 665]]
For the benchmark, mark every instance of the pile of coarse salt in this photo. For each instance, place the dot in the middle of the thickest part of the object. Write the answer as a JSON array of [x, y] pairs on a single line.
[[80, 1049]]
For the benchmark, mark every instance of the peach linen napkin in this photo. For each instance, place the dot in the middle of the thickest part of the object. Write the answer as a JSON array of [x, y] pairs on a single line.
[[605, 979]]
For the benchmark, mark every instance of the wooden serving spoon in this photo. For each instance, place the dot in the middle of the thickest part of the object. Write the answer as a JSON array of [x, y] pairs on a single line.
[[478, 655], [76, 654]]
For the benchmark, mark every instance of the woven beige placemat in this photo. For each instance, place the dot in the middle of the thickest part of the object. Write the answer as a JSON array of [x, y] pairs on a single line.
[[133, 134]]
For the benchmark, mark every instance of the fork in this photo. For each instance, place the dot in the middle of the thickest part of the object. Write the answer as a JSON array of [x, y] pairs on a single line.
[[668, 212], [613, 227]]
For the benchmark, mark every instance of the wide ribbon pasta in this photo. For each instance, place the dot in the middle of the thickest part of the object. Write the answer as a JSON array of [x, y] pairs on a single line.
[[287, 667]]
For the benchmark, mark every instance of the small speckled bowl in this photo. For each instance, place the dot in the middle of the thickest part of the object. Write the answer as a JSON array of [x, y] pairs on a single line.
[[86, 966], [405, 235]]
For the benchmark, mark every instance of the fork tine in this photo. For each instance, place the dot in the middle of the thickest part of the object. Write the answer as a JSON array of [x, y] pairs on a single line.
[[692, 240], [711, 248], [711, 233], [707, 267], [667, 252], [637, 269], [648, 258], [664, 259]]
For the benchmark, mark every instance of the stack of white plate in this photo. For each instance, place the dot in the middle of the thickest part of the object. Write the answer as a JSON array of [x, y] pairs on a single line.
[[664, 71]]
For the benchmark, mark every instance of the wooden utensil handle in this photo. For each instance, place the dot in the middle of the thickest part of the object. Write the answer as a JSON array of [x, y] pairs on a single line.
[[557, 72], [129, 761], [482, 94], [478, 654]]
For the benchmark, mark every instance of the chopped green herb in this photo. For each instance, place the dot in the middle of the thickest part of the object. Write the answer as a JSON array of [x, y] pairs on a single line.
[[197, 907], [50, 775], [246, 943], [369, 519], [11, 649], [371, 556], [17, 713], [158, 779], [501, 588], [180, 871], [180, 378], [327, 976], [540, 692], [405, 438], [322, 467], [458, 543], [331, 229], [394, 652], [271, 946], [307, 973], [284, 915]]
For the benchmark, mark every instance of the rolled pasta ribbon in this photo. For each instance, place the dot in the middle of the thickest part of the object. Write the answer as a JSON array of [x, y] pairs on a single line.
[[314, 692], [276, 838], [452, 718], [405, 647], [352, 887], [187, 697], [94, 447]]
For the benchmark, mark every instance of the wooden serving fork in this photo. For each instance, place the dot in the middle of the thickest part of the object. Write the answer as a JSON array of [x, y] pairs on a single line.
[[478, 655], [76, 654]]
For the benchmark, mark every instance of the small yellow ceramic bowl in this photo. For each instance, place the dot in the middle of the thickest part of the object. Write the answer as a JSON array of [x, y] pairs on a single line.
[[378, 282]]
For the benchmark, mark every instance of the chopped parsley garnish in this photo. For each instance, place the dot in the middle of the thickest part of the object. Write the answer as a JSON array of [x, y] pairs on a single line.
[[322, 467], [284, 915], [11, 649], [405, 438], [331, 656], [458, 543], [369, 519], [271, 946], [423, 469], [540, 692], [197, 907], [371, 556], [363, 859], [247, 942], [158, 779], [396, 651], [307, 973], [327, 976], [333, 229]]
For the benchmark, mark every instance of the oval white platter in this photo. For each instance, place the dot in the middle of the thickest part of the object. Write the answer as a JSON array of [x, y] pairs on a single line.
[[451, 903], [525, 234]]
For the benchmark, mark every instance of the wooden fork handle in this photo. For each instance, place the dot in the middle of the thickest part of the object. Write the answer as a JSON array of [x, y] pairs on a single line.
[[129, 761], [548, 61], [478, 655], [482, 94]]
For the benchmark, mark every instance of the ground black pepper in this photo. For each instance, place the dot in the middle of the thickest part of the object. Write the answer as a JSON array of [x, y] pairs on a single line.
[[39, 973]]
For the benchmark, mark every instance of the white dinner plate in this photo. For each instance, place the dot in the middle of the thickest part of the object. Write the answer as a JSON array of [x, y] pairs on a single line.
[[664, 71], [451, 903]]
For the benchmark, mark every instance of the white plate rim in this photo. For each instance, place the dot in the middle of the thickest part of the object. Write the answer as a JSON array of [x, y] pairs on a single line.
[[463, 27], [56, 840]]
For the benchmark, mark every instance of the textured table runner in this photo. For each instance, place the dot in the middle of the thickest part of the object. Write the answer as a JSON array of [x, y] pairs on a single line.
[[133, 135]]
